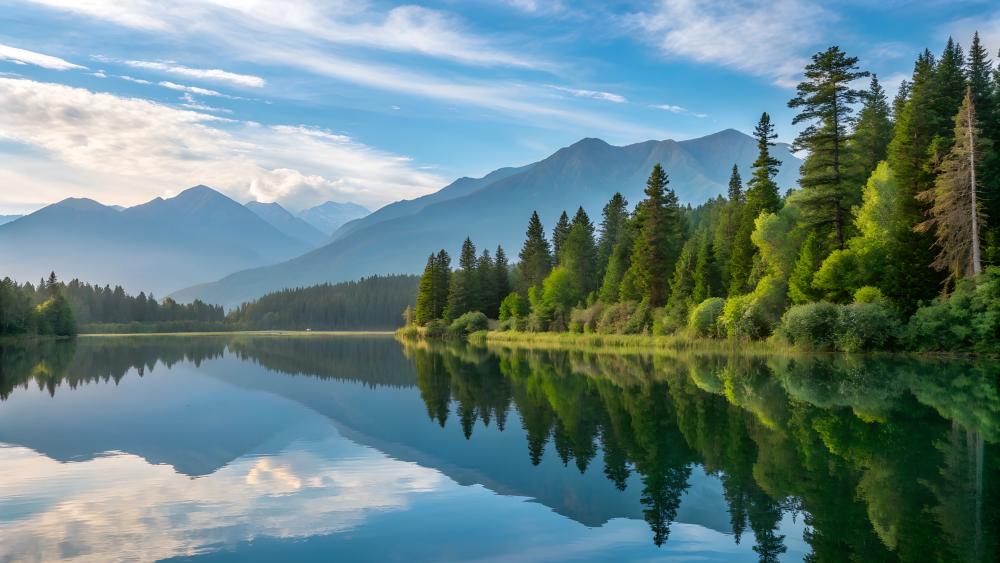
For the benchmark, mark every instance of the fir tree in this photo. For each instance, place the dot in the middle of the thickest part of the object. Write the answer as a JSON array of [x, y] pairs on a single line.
[[761, 197], [487, 301], [501, 275], [736, 185], [536, 260], [559, 233], [706, 271], [956, 216], [800, 287], [613, 219], [657, 239], [869, 144], [824, 101], [579, 253]]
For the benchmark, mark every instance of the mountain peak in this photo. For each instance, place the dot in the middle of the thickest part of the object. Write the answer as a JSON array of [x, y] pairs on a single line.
[[78, 204]]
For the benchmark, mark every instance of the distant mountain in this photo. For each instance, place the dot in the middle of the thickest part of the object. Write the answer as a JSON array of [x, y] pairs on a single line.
[[495, 209], [4, 219], [281, 219], [329, 216], [158, 246]]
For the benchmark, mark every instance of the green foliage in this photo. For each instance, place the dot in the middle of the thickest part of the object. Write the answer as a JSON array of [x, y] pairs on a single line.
[[432, 294], [559, 233], [55, 317], [614, 218], [658, 240], [536, 259], [968, 319], [824, 100], [618, 265], [616, 317], [466, 324], [705, 318], [585, 320], [869, 143], [579, 253], [513, 307], [800, 283], [869, 294], [812, 326]]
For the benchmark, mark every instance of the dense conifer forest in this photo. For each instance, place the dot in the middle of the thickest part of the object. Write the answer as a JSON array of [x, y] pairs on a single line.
[[891, 240]]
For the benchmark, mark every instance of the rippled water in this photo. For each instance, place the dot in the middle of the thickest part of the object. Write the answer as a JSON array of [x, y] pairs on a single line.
[[358, 448]]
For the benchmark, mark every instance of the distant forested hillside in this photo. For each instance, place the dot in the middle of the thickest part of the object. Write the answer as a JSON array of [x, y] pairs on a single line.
[[368, 304]]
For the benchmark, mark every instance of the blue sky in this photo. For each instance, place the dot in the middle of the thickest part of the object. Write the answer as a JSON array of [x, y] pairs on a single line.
[[307, 100]]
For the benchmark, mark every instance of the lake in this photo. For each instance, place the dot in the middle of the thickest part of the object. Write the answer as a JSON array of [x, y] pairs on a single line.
[[343, 448]]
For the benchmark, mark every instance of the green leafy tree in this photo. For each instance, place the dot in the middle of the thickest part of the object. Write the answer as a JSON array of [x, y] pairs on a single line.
[[619, 265], [800, 286], [658, 238], [824, 100]]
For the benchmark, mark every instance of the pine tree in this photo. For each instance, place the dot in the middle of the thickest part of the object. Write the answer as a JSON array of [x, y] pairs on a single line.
[[442, 284], [761, 197], [559, 233], [949, 87], [956, 216], [824, 101], [657, 241], [736, 184], [985, 99], [800, 288], [614, 216], [501, 275], [706, 270], [486, 301], [536, 260], [869, 144], [618, 264], [579, 252]]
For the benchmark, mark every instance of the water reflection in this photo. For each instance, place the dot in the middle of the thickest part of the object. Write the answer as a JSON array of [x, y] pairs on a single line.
[[846, 458]]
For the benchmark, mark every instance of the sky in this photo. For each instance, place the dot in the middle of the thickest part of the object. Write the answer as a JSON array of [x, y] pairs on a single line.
[[303, 101]]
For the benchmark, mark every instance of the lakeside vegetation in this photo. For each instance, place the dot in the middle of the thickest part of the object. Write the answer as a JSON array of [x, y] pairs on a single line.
[[890, 242], [65, 309]]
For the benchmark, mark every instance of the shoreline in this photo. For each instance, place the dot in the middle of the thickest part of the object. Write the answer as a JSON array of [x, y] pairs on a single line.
[[246, 332]]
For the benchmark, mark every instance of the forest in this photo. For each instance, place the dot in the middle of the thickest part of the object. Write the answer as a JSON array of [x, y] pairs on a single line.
[[890, 241], [63, 309]]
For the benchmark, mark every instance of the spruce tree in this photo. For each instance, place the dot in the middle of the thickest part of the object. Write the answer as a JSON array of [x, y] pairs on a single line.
[[442, 284], [955, 215], [613, 219], [735, 185], [869, 144], [949, 87], [657, 241], [985, 99], [559, 233], [824, 101], [761, 197], [536, 260], [487, 300], [618, 264], [501, 275], [706, 270], [579, 253]]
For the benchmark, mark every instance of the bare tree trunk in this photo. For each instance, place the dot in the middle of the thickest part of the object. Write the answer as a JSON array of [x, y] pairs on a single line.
[[977, 265]]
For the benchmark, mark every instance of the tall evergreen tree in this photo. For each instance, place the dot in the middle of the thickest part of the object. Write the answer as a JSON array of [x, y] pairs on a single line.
[[869, 144], [707, 278], [613, 219], [658, 238], [536, 259], [824, 101], [735, 185], [949, 87], [464, 292], [986, 100], [559, 233], [956, 214], [487, 300], [442, 284], [501, 275], [761, 197], [579, 253]]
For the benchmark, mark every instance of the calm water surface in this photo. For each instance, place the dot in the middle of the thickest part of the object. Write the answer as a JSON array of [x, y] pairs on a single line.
[[360, 448]]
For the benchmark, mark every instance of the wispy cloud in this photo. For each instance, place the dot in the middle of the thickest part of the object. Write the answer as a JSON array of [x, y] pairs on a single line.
[[677, 109], [597, 95], [131, 149], [764, 38], [190, 102], [195, 90], [25, 57], [210, 74], [136, 80]]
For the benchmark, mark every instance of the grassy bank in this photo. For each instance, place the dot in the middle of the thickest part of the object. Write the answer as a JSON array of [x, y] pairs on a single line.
[[622, 342], [296, 333]]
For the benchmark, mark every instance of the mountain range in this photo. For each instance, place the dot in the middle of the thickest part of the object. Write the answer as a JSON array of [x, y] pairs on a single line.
[[328, 217], [494, 209], [157, 246]]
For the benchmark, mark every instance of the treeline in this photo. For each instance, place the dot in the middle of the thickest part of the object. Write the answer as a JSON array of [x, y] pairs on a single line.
[[886, 242], [368, 304], [57, 308], [26, 310]]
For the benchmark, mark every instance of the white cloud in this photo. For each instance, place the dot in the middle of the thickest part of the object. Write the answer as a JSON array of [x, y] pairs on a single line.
[[607, 96], [136, 80], [194, 90], [763, 38], [127, 150], [211, 74], [677, 109], [191, 103], [23, 56]]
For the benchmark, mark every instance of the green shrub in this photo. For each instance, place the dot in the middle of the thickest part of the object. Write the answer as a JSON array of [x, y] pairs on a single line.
[[967, 320], [640, 320], [436, 328], [615, 317], [743, 319], [864, 327], [585, 320], [509, 323], [869, 294], [812, 326], [467, 324], [704, 320]]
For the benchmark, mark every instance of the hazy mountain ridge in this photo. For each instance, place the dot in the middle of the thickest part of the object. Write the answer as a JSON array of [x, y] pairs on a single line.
[[495, 209], [157, 246], [328, 217], [283, 220]]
